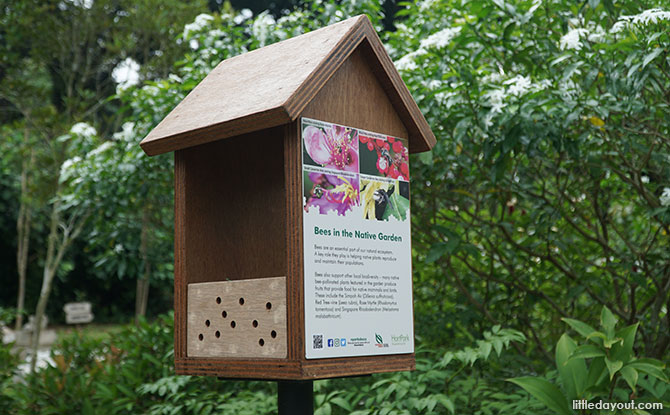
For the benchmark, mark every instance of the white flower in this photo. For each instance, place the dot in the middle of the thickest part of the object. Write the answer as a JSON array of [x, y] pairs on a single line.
[[496, 97], [665, 197], [100, 149], [201, 21], [571, 40], [262, 27], [427, 5], [651, 16], [83, 129], [68, 166], [644, 179], [85, 4], [440, 39], [245, 14], [536, 4], [519, 85], [127, 132], [407, 62], [126, 74]]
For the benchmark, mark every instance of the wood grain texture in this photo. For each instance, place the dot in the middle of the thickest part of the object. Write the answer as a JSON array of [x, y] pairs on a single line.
[[242, 318], [234, 194], [353, 97], [294, 260], [353, 366], [271, 86], [265, 369], [179, 256]]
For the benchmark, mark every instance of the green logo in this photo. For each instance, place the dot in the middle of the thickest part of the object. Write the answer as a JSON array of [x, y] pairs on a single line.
[[379, 339]]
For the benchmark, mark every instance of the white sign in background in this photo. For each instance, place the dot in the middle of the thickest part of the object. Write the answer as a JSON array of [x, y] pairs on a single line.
[[358, 273]]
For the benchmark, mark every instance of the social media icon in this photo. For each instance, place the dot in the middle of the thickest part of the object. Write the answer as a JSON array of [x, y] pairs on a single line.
[[330, 342], [337, 342], [343, 342]]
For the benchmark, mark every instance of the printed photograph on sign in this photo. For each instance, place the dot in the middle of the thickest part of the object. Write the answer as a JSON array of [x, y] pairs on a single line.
[[330, 192], [330, 146], [384, 199], [384, 156]]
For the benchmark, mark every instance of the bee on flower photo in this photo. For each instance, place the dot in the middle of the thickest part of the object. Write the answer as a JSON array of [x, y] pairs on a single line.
[[332, 147], [384, 157], [330, 192]]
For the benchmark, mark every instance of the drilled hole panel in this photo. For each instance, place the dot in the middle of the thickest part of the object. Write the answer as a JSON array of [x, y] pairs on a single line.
[[257, 331]]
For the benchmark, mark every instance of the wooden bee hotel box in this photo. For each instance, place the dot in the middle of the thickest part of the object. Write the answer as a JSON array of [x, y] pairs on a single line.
[[292, 220]]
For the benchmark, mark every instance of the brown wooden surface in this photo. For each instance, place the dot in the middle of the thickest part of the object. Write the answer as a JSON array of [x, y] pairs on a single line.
[[276, 369], [268, 369], [353, 97], [294, 200], [271, 86], [240, 318], [234, 196], [179, 256]]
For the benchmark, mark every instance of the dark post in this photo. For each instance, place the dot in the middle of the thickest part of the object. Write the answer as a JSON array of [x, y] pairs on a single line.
[[295, 397]]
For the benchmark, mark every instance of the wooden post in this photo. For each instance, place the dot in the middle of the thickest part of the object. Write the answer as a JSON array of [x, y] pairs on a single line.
[[295, 397]]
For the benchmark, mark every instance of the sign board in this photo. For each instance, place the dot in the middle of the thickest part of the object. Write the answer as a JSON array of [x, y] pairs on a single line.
[[78, 313], [357, 250]]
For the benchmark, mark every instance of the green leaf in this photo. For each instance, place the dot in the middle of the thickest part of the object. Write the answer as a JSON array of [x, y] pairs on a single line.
[[630, 375], [572, 371], [597, 373], [624, 350], [580, 327], [613, 366], [650, 57], [607, 321], [650, 369], [587, 351], [544, 391]]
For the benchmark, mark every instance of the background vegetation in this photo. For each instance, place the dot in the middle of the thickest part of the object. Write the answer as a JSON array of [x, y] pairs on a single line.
[[544, 208]]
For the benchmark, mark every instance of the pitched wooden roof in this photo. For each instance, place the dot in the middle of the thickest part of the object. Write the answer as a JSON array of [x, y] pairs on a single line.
[[270, 86]]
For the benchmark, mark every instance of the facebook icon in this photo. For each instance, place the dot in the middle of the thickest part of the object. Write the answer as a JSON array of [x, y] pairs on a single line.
[[330, 342]]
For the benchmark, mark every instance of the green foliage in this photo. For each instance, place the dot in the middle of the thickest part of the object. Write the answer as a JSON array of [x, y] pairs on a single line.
[[543, 197], [443, 383], [612, 368]]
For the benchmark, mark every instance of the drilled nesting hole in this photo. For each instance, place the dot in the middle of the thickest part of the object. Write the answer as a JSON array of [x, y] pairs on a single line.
[[218, 300], [255, 323], [201, 337], [241, 301], [233, 324], [268, 305], [273, 334], [217, 334], [207, 323], [261, 342]]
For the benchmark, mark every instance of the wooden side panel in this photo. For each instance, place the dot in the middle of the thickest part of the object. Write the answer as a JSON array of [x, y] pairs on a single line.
[[243, 318], [354, 97], [179, 256], [234, 196], [294, 258]]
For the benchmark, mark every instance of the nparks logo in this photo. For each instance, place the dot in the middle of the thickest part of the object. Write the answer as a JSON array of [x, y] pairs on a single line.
[[380, 341], [399, 340]]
